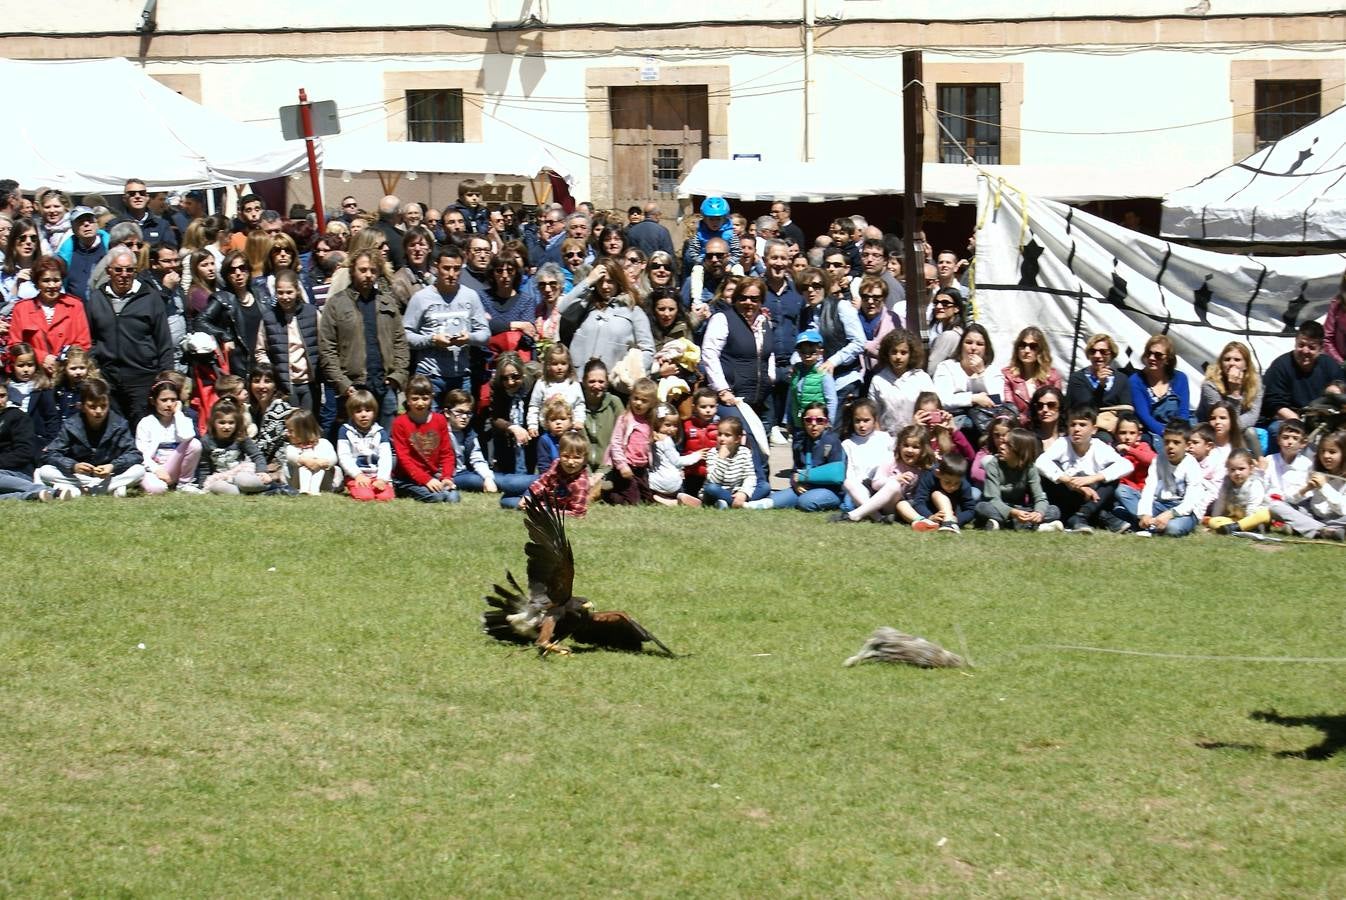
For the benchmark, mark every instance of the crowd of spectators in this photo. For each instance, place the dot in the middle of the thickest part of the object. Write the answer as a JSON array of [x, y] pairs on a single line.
[[416, 352]]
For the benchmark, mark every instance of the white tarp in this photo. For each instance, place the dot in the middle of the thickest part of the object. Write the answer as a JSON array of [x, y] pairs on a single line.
[[126, 125], [1292, 191], [512, 158], [1073, 274], [817, 182]]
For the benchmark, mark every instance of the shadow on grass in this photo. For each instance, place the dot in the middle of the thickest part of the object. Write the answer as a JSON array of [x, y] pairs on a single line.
[[1332, 727]]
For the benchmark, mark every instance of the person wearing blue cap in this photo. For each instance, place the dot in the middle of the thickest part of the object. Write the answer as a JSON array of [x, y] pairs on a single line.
[[808, 382], [714, 224]]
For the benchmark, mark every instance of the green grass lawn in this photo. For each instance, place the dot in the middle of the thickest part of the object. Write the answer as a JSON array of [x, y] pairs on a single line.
[[315, 711]]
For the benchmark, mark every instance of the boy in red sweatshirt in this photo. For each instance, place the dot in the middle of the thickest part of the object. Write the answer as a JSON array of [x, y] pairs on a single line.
[[1134, 449], [424, 450]]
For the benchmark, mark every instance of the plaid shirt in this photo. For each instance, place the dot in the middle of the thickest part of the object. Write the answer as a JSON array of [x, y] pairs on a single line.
[[569, 494]]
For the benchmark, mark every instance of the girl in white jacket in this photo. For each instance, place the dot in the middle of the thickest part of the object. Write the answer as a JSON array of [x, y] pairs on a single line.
[[1319, 508], [167, 440]]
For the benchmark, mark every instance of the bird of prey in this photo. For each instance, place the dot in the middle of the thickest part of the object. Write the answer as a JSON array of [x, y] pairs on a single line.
[[548, 612], [890, 645]]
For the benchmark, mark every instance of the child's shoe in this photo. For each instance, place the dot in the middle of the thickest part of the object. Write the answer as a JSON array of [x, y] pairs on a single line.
[[1052, 526], [840, 518], [924, 525], [1228, 528], [764, 503], [721, 504], [993, 525], [950, 526]]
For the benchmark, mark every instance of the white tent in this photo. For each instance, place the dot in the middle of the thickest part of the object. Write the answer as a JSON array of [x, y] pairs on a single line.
[[128, 126], [1292, 191], [513, 158], [817, 182]]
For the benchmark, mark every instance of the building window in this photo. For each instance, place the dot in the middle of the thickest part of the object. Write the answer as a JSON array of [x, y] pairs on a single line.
[[1283, 106], [971, 113], [435, 116], [667, 169]]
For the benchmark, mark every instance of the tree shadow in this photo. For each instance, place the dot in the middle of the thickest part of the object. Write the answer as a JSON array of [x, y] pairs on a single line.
[[1332, 727]]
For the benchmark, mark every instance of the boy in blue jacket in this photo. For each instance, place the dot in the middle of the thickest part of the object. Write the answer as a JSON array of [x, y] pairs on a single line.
[[944, 496], [820, 468], [94, 452]]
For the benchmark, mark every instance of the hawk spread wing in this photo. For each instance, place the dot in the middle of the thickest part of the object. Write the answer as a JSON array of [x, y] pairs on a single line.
[[549, 612]]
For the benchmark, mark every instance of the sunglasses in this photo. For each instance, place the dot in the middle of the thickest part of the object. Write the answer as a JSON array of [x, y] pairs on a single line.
[[814, 286], [634, 260], [1047, 404], [756, 298], [137, 193], [815, 420], [352, 203], [134, 245], [236, 269], [944, 304], [837, 265], [1156, 354], [122, 270], [660, 267], [574, 256], [515, 377], [1099, 351], [548, 285], [872, 296], [506, 267], [1028, 345], [716, 255], [26, 237]]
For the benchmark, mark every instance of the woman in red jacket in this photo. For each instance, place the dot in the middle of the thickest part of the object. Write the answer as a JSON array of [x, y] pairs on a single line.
[[51, 321]]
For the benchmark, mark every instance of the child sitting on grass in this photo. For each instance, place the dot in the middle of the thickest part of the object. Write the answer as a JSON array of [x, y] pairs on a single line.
[[1171, 493], [1242, 504], [1287, 470], [423, 448], [167, 442], [895, 483], [668, 463], [699, 434], [94, 452], [1081, 473], [556, 419], [365, 450], [17, 452], [1318, 510], [566, 481], [819, 470], [867, 448], [1012, 495], [944, 497], [230, 461], [1132, 447], [310, 459], [730, 475]]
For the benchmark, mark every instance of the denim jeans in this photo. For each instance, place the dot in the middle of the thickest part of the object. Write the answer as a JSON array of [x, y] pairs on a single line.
[[1128, 502], [812, 500]]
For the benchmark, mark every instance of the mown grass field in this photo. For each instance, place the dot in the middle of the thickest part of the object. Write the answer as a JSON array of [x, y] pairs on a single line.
[[315, 711]]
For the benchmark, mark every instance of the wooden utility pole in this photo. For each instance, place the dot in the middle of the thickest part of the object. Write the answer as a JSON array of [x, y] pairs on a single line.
[[913, 199]]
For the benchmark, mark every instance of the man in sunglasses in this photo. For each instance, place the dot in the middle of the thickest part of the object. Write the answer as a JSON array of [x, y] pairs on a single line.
[[132, 343], [648, 234], [783, 304], [136, 198], [715, 265]]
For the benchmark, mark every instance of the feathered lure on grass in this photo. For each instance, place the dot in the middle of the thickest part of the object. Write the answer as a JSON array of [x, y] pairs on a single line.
[[890, 645], [548, 612]]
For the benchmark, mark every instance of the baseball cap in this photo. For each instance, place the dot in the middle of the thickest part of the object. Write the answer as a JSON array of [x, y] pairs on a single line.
[[809, 336], [80, 212]]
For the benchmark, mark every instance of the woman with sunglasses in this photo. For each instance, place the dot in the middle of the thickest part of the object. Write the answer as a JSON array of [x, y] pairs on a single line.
[[547, 284], [283, 255], [1159, 391], [233, 315], [1100, 385], [1029, 369], [633, 263], [123, 234], [1046, 414], [21, 252], [738, 349], [573, 254], [507, 307], [946, 329], [659, 271]]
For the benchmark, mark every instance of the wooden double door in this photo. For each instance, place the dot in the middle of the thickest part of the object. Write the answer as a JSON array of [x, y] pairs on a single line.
[[658, 133]]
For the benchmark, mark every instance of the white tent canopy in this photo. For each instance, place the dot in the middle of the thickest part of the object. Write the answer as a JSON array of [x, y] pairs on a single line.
[[130, 126], [1292, 191], [520, 159], [848, 179]]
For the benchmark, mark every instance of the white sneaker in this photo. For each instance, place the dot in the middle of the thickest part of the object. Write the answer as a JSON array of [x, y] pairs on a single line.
[[1081, 529], [720, 504], [119, 492], [778, 437], [764, 503], [992, 525], [1144, 532], [1051, 526], [189, 487]]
